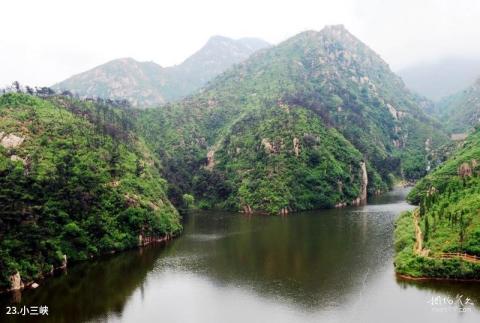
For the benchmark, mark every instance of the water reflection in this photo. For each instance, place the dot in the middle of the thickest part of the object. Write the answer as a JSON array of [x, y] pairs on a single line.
[[333, 266], [89, 290]]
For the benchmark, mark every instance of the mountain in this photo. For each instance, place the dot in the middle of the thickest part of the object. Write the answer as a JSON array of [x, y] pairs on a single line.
[[75, 182], [460, 112], [442, 236], [317, 121], [124, 78], [216, 56], [148, 84], [438, 79]]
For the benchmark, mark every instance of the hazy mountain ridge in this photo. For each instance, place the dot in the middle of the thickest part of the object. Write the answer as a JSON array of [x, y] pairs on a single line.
[[439, 79], [460, 112], [358, 106], [123, 78], [149, 84]]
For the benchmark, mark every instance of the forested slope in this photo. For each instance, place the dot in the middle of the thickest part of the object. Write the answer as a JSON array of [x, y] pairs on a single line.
[[448, 217], [74, 181], [293, 128]]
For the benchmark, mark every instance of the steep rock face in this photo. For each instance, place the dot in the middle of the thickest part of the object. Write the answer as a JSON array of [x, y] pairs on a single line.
[[293, 121], [146, 84], [364, 183], [16, 281]]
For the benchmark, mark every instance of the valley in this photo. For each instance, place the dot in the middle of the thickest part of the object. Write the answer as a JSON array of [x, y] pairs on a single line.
[[303, 177]]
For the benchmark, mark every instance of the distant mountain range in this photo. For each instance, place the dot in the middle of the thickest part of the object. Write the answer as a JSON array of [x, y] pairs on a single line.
[[436, 80], [149, 84], [460, 112]]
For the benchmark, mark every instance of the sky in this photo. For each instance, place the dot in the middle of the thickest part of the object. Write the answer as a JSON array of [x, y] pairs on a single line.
[[44, 42]]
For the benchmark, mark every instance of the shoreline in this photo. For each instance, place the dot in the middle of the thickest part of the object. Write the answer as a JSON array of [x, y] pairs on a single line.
[[145, 242], [406, 277]]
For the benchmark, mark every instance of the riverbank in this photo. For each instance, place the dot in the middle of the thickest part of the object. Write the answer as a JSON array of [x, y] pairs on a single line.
[[17, 284], [299, 268], [413, 261]]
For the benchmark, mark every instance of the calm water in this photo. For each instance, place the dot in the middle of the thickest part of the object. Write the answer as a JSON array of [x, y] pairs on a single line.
[[322, 266]]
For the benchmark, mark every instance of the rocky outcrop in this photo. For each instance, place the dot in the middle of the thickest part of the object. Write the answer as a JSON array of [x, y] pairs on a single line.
[[16, 282], [364, 185], [283, 211], [247, 209], [269, 148], [296, 146], [131, 199], [340, 205], [362, 197], [16, 158], [64, 262], [11, 141], [146, 240], [392, 111], [465, 170], [210, 160]]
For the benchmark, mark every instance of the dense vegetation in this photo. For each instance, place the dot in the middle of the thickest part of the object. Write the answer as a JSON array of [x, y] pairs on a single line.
[[74, 181], [289, 127], [449, 218]]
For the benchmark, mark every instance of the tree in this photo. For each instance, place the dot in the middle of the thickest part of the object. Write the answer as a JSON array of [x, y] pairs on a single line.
[[188, 200]]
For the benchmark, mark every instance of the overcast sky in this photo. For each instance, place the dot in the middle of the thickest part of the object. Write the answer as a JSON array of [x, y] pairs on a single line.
[[43, 42]]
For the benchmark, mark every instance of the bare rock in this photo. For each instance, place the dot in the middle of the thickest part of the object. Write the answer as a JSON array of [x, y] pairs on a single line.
[[268, 146], [16, 281], [392, 111], [296, 146], [64, 262], [465, 170], [11, 141], [364, 185], [16, 158], [131, 200], [210, 159], [247, 209], [362, 197]]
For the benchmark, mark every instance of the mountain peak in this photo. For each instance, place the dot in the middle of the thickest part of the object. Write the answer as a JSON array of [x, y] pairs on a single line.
[[335, 28], [218, 39], [339, 33], [147, 83]]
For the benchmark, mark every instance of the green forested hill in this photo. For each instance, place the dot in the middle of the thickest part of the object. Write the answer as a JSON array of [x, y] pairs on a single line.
[[74, 181], [448, 218], [290, 128]]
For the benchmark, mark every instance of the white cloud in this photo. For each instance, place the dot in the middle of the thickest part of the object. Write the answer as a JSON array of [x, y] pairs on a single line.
[[42, 42]]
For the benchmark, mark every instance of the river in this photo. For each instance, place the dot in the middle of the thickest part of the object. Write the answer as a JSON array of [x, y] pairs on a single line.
[[319, 266]]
